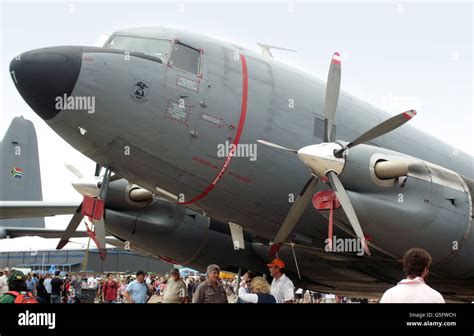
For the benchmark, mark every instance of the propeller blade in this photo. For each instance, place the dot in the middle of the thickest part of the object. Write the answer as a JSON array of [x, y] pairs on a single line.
[[332, 95], [99, 229], [347, 206], [270, 144], [71, 227], [293, 216], [381, 129], [76, 172], [98, 168]]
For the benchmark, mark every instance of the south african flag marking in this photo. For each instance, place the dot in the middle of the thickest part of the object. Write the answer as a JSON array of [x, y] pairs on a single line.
[[16, 172]]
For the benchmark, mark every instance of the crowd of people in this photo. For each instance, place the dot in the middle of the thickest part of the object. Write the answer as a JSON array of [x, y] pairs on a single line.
[[17, 287]]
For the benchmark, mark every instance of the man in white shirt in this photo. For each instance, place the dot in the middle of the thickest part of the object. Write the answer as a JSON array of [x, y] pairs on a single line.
[[282, 287], [47, 286], [92, 282], [3, 281], [413, 289], [47, 283], [148, 280]]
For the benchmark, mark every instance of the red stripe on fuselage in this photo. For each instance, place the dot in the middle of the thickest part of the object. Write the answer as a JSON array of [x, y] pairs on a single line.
[[235, 142]]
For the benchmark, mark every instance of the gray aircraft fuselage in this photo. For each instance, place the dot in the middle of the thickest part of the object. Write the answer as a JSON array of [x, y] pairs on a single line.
[[158, 125]]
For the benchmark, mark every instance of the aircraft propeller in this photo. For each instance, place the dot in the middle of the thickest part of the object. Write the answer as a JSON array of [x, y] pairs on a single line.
[[90, 189], [326, 160]]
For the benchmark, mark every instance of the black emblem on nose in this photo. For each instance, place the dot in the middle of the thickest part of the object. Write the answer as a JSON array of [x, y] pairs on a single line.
[[140, 90]]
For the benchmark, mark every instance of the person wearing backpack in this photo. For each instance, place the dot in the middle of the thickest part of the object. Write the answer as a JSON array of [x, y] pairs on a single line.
[[109, 290], [17, 292]]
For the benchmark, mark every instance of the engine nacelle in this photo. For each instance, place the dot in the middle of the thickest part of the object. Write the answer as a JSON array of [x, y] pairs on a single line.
[[404, 202], [181, 236]]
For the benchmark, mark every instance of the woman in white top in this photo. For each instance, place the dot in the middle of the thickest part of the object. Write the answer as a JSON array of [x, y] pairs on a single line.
[[260, 292]]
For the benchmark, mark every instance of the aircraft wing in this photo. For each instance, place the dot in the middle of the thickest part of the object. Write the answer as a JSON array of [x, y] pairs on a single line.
[[14, 232], [29, 209]]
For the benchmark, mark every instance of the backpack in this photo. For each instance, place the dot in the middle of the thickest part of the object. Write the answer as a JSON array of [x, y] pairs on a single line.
[[22, 298]]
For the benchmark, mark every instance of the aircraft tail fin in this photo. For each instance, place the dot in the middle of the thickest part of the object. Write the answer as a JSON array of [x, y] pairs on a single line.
[[20, 177]]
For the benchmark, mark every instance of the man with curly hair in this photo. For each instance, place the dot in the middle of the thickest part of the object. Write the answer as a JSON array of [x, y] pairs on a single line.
[[413, 289]]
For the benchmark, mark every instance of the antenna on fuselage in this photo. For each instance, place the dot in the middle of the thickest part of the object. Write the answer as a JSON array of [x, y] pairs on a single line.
[[266, 49]]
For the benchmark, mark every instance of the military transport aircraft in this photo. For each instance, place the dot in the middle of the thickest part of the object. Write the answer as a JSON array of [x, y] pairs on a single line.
[[164, 103]]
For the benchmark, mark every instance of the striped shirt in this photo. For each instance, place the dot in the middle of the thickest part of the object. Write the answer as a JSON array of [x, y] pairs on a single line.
[[283, 289]]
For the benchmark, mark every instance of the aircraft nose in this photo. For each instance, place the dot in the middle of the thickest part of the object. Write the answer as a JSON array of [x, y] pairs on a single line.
[[41, 75]]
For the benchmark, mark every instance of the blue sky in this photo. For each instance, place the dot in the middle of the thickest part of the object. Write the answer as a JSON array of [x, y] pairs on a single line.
[[396, 55]]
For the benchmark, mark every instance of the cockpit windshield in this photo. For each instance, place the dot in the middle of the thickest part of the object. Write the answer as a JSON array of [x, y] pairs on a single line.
[[150, 46]]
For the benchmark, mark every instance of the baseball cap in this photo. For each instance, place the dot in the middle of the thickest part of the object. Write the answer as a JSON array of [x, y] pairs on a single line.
[[213, 267], [277, 262], [16, 275]]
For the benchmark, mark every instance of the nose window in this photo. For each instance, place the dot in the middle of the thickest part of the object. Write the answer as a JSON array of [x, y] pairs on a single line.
[[186, 58]]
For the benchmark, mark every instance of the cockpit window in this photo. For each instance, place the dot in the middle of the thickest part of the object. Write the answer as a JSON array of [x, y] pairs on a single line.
[[150, 46], [186, 58]]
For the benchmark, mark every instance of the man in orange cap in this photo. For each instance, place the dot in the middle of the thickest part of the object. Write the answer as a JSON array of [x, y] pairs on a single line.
[[282, 287]]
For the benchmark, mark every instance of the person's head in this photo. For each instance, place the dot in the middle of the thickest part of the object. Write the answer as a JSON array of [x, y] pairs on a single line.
[[276, 268], [16, 281], [56, 273], [141, 276], [259, 285], [416, 263], [110, 276], [248, 277], [213, 271], [48, 275], [174, 274]]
